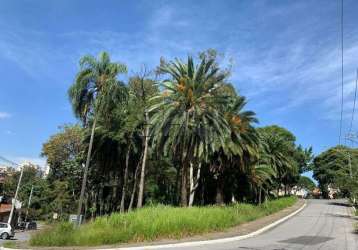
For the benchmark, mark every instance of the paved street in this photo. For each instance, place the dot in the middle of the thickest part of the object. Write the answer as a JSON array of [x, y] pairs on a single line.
[[19, 236], [323, 224]]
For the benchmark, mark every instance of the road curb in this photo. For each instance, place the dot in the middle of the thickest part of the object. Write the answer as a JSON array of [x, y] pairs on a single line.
[[216, 241]]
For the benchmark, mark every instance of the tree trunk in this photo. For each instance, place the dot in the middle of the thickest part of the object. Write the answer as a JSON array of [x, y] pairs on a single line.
[[142, 174], [84, 180], [100, 200], [233, 200], [115, 189], [260, 191], [193, 183], [220, 191], [183, 187], [266, 196], [134, 185], [177, 184], [125, 179], [94, 204]]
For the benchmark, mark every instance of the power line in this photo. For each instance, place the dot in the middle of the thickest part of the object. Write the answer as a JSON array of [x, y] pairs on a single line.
[[354, 103], [342, 61], [8, 161]]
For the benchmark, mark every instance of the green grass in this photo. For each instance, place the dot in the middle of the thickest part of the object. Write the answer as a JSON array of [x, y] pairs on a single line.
[[10, 244], [155, 222]]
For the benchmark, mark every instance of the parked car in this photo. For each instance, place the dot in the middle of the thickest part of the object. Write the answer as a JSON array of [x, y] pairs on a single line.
[[6, 231], [32, 225], [20, 226]]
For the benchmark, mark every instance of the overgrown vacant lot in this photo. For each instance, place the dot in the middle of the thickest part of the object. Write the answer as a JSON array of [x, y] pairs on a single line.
[[156, 222]]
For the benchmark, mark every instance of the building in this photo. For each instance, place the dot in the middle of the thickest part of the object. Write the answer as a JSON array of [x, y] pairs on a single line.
[[5, 208], [300, 192], [332, 192]]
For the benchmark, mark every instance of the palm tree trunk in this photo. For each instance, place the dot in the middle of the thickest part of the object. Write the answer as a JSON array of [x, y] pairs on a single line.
[[266, 195], [114, 197], [84, 180], [183, 188], [177, 184], [193, 183], [192, 190], [142, 174], [100, 200], [220, 191], [125, 177], [260, 191], [134, 188], [93, 210]]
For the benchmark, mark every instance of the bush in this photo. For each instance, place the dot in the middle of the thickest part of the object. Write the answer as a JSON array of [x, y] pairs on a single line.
[[154, 222]]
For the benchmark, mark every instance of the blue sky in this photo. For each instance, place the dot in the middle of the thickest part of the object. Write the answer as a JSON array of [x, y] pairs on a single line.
[[285, 54]]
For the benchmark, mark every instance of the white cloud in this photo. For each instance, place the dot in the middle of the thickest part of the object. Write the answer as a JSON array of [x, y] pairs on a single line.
[[35, 160], [4, 115], [280, 71], [285, 75], [167, 16]]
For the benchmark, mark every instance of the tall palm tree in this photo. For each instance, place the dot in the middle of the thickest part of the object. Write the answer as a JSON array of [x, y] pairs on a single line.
[[186, 117], [95, 88], [241, 145]]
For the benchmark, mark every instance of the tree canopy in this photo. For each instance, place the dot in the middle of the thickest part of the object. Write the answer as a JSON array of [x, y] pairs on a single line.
[[180, 135]]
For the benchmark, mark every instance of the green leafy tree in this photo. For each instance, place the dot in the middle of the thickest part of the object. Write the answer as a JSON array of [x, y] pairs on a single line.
[[64, 152], [96, 87], [306, 182], [337, 167], [141, 89]]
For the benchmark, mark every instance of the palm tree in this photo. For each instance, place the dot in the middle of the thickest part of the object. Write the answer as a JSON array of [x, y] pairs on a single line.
[[187, 117], [274, 153], [261, 175], [241, 145], [96, 86]]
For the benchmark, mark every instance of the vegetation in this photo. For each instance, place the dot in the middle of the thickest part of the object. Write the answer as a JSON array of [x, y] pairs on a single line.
[[178, 135], [338, 168], [32, 176], [9, 244], [306, 183], [154, 222]]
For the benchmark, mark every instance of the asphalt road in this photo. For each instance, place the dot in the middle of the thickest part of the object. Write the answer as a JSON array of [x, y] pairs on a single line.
[[19, 236], [323, 224]]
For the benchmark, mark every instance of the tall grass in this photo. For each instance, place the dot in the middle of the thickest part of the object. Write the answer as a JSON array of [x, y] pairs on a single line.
[[154, 222]]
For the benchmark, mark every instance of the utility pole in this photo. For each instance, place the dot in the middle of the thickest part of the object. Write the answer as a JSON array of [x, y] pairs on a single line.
[[353, 138], [350, 165], [15, 198], [29, 202]]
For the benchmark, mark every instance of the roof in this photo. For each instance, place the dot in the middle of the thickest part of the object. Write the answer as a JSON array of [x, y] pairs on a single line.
[[4, 208]]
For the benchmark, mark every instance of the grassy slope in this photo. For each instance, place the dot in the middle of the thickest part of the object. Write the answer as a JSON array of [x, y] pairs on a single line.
[[156, 222]]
